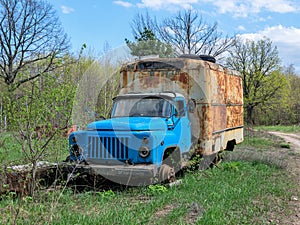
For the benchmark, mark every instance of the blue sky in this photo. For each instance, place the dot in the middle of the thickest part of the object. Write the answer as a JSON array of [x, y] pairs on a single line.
[[97, 22]]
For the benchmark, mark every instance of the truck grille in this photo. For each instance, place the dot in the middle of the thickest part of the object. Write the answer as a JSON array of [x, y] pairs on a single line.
[[108, 147]]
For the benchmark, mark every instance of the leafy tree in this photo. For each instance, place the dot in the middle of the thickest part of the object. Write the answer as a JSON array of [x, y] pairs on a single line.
[[147, 44], [258, 63], [40, 116], [284, 107], [31, 40], [277, 109], [294, 98]]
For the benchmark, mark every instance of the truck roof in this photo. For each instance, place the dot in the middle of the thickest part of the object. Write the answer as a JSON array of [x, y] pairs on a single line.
[[168, 95], [183, 62]]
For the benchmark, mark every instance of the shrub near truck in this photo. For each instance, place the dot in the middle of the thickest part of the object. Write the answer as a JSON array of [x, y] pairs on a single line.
[[168, 110]]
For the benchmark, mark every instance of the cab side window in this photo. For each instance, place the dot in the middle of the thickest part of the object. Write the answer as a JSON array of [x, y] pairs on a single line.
[[179, 108]]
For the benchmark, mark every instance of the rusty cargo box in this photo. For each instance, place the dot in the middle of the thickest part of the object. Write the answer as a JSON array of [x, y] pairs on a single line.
[[217, 93]]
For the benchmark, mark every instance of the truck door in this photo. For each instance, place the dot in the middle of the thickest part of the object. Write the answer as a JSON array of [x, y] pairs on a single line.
[[183, 128]]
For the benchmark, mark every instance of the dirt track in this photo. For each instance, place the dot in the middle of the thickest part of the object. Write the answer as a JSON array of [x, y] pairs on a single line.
[[293, 139], [294, 157], [293, 167]]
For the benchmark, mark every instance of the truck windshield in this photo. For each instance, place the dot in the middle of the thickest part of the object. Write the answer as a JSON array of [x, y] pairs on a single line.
[[148, 107]]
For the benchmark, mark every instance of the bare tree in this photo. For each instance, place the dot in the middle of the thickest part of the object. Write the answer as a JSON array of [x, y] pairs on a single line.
[[189, 34], [31, 40], [142, 23]]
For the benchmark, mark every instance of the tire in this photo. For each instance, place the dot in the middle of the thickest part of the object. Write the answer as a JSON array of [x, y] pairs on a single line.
[[208, 58], [166, 173]]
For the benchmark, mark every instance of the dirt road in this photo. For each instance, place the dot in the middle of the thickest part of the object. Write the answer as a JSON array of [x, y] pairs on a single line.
[[293, 167], [294, 155], [293, 139]]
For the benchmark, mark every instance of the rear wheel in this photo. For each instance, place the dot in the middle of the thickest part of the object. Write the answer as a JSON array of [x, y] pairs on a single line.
[[218, 159], [210, 161], [166, 173], [230, 145]]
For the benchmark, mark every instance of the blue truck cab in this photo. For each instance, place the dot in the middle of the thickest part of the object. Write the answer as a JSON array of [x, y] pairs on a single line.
[[145, 130], [167, 110]]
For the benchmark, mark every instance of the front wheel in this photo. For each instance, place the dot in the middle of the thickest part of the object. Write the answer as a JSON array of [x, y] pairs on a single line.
[[166, 173]]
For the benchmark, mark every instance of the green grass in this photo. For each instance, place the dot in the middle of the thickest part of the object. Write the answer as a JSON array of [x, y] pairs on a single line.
[[257, 142], [233, 193], [259, 138], [11, 150], [286, 129]]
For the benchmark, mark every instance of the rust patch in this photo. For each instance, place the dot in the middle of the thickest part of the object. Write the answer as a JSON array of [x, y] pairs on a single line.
[[234, 90], [205, 122], [181, 77], [235, 116], [124, 78], [219, 116], [220, 86]]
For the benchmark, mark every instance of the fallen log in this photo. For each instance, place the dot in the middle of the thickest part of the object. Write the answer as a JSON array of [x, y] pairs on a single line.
[[18, 179]]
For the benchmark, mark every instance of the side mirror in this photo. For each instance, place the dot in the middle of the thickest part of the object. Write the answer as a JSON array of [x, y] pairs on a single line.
[[192, 105]]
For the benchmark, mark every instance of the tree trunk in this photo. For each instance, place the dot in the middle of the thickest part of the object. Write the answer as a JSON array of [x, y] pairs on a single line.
[[249, 116]]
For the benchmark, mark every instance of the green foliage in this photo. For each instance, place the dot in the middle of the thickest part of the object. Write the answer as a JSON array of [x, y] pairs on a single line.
[[147, 44], [294, 97], [106, 194], [146, 35], [157, 189], [281, 109], [231, 166]]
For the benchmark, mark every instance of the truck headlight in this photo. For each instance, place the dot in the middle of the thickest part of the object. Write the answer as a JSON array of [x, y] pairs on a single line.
[[74, 140], [144, 151], [145, 140]]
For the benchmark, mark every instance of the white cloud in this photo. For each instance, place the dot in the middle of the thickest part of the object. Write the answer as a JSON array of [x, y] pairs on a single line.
[[123, 3], [242, 28], [243, 8], [167, 4], [66, 10], [238, 8], [285, 38], [264, 19]]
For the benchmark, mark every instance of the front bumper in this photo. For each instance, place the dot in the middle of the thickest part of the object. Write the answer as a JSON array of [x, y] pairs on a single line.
[[141, 170], [133, 175]]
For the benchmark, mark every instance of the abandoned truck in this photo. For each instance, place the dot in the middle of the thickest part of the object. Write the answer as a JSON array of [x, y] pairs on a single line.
[[168, 110]]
